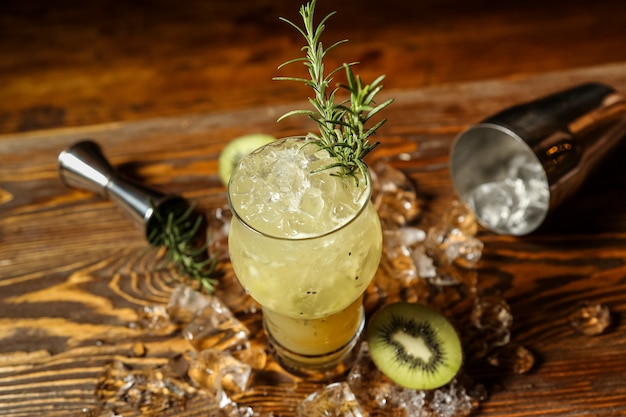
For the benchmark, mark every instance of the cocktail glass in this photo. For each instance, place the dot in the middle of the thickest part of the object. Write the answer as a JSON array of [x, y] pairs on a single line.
[[305, 244]]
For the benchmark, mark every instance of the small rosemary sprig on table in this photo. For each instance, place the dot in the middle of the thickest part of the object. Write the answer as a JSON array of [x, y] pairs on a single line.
[[178, 230], [342, 125]]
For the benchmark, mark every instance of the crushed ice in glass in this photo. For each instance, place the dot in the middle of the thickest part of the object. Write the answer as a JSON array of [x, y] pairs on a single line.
[[590, 319], [300, 175]]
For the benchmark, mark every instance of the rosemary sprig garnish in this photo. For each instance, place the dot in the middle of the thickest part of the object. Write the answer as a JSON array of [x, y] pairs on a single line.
[[342, 129], [178, 230]]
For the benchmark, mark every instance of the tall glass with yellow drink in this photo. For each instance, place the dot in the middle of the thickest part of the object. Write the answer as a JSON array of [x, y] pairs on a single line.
[[305, 244]]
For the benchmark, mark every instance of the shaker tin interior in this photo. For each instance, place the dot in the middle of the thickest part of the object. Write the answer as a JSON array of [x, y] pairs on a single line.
[[480, 155]]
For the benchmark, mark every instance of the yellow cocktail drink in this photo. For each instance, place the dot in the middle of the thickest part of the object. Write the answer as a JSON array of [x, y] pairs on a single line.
[[305, 244]]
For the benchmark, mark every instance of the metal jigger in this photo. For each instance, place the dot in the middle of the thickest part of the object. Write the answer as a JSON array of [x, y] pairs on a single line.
[[517, 166], [84, 166]]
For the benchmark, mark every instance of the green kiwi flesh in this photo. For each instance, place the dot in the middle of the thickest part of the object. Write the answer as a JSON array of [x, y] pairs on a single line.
[[414, 345], [238, 148]]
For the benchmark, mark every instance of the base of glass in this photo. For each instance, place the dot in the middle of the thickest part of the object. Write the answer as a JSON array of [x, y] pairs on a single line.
[[321, 367]]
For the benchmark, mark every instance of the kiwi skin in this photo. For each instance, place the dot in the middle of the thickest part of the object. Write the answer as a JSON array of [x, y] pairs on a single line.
[[237, 149], [414, 346]]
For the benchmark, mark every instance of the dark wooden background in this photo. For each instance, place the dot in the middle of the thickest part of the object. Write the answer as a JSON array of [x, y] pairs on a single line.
[[67, 64], [164, 85]]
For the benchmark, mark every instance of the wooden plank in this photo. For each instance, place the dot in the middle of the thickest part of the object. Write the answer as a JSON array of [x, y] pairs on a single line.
[[74, 272]]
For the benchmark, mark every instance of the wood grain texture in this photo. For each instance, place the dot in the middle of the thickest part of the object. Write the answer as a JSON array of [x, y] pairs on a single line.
[[103, 61], [74, 271]]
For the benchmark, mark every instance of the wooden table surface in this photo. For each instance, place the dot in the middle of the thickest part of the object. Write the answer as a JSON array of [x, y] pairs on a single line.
[[164, 87]]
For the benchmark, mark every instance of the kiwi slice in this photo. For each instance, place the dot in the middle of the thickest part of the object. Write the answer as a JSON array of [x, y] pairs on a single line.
[[414, 345], [237, 149]]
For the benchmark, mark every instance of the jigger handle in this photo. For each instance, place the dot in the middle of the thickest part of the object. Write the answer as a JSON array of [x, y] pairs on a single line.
[[84, 166]]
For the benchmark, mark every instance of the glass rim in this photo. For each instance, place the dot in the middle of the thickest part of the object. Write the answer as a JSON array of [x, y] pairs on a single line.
[[366, 201]]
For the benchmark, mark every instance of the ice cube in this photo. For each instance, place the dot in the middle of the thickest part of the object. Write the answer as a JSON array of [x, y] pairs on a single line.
[[590, 318], [217, 371], [448, 244], [155, 319], [394, 196], [185, 303], [513, 358], [216, 327], [333, 400], [375, 391], [217, 232], [511, 205]]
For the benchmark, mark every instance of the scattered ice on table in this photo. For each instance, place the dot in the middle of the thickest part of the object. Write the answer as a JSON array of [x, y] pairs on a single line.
[[410, 236], [333, 400], [490, 325], [450, 400], [375, 391], [493, 314], [217, 232], [451, 250], [460, 216], [149, 389], [400, 242], [397, 255], [394, 196], [436, 267], [442, 279], [477, 393], [216, 327], [449, 244], [590, 318], [155, 320], [398, 274], [513, 358], [185, 303], [252, 354], [425, 264], [218, 372]]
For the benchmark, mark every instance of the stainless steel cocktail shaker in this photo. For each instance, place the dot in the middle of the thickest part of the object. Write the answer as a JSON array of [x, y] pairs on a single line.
[[515, 167]]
